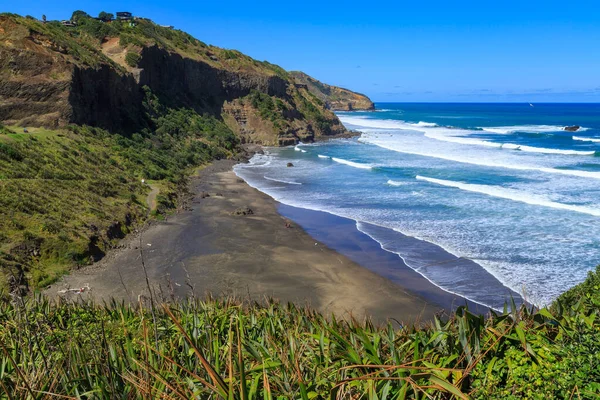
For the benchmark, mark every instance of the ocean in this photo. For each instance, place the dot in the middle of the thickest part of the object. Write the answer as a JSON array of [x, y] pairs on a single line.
[[486, 201]]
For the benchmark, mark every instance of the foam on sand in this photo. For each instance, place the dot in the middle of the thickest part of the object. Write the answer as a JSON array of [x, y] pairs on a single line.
[[282, 181], [511, 194], [351, 163]]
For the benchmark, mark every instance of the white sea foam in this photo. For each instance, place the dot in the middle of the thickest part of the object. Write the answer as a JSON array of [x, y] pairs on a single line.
[[586, 139], [482, 162], [299, 149], [512, 194], [423, 124], [505, 130], [352, 163], [440, 135], [282, 181], [374, 123], [436, 132], [322, 156], [396, 183]]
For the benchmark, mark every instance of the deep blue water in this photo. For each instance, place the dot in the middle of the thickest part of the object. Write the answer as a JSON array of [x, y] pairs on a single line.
[[503, 187]]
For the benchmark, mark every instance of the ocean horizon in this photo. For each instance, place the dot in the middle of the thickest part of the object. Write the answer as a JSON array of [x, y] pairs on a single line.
[[485, 200]]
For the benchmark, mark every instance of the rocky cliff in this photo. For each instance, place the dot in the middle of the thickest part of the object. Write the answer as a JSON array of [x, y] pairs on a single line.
[[335, 98], [99, 74]]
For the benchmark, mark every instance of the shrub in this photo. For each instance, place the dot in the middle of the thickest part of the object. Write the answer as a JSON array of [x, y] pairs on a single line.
[[587, 290], [132, 59], [8, 152]]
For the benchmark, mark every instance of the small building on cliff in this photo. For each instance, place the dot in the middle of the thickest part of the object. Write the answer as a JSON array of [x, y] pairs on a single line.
[[124, 15]]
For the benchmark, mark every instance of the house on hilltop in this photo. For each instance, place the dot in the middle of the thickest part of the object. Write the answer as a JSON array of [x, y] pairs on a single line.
[[124, 15]]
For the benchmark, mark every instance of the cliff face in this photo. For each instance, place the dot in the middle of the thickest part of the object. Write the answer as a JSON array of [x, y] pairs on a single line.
[[51, 76], [335, 98]]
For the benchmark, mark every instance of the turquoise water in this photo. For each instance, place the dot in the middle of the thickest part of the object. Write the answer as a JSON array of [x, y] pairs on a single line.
[[484, 200]]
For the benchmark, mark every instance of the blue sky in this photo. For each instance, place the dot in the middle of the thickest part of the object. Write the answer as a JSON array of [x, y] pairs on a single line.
[[529, 51]]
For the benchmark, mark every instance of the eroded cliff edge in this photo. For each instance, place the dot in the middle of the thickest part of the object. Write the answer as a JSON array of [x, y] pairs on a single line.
[[99, 74]]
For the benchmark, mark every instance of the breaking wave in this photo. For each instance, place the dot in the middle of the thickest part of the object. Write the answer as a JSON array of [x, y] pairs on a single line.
[[352, 163], [511, 194], [282, 181], [395, 183], [586, 139], [505, 130]]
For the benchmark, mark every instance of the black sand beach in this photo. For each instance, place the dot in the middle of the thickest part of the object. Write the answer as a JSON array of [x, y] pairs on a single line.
[[207, 250]]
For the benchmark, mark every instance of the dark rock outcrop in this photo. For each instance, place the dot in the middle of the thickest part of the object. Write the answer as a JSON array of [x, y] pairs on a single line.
[[334, 98], [572, 128], [243, 211]]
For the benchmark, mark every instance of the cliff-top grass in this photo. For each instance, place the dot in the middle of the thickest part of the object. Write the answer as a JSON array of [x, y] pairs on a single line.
[[84, 41]]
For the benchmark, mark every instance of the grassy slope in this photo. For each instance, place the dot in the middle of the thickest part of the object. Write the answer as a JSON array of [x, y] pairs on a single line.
[[65, 196], [224, 349]]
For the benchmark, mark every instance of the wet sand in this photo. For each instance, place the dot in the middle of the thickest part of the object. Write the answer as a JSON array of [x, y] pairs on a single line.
[[207, 250]]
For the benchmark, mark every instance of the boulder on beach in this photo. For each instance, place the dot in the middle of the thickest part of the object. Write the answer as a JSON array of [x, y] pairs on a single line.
[[572, 128], [243, 211]]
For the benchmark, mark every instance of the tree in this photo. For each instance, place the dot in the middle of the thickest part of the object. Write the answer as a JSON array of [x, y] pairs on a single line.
[[106, 17], [78, 15]]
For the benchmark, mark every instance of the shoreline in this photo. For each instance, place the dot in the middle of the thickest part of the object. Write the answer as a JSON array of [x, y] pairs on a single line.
[[342, 235], [206, 250]]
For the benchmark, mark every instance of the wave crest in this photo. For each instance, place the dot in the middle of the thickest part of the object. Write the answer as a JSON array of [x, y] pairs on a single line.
[[282, 181], [352, 163], [586, 139], [512, 194], [396, 183]]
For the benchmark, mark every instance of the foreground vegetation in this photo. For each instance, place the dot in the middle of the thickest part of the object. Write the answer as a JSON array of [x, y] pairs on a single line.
[[226, 349]]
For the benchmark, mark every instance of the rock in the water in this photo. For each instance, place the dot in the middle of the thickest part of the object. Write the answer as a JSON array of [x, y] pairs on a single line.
[[290, 164], [204, 195], [573, 128], [243, 211]]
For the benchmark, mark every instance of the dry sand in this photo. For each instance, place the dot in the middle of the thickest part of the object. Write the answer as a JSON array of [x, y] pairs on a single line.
[[255, 256]]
